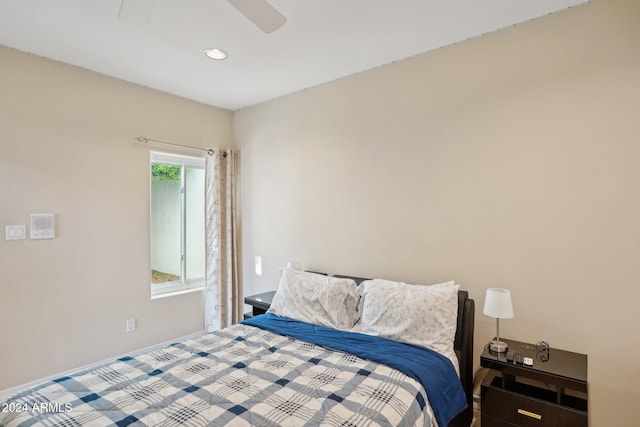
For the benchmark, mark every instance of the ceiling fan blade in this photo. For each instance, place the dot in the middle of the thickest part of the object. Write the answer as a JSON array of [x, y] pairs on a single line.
[[261, 13], [136, 11]]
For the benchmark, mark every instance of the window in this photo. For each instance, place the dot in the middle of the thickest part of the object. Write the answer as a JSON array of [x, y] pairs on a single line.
[[177, 224]]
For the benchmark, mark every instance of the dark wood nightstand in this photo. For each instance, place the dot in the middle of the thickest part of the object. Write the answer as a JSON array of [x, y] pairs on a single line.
[[259, 302], [552, 392]]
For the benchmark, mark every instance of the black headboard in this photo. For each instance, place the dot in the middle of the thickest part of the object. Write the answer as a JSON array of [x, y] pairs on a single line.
[[463, 346]]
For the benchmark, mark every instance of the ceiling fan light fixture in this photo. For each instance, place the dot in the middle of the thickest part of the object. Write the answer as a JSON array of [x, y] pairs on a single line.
[[261, 13], [217, 54]]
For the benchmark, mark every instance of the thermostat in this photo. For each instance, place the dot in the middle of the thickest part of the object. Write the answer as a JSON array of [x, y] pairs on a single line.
[[43, 226]]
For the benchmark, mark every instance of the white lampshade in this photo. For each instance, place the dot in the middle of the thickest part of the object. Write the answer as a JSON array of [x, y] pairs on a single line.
[[497, 303]]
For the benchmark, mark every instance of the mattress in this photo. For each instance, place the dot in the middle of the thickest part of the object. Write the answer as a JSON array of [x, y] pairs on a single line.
[[246, 375]]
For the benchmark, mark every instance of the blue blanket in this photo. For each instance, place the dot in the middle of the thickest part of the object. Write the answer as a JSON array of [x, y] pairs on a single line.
[[433, 370]]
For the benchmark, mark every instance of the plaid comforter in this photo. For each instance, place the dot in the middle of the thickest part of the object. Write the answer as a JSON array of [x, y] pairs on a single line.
[[240, 376]]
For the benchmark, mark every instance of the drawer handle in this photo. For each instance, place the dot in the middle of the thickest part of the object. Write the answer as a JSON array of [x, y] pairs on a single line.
[[530, 414]]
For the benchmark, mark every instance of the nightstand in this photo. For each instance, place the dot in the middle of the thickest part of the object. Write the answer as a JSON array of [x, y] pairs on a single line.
[[260, 303], [552, 392]]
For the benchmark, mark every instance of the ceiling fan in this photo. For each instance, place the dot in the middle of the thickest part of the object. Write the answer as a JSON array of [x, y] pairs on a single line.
[[261, 13]]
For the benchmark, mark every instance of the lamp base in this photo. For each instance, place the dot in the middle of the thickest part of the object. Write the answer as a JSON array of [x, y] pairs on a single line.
[[498, 346]]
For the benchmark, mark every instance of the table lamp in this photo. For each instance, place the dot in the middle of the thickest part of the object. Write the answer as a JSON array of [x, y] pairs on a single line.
[[497, 303]]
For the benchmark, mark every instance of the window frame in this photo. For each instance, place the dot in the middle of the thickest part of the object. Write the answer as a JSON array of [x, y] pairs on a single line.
[[183, 285]]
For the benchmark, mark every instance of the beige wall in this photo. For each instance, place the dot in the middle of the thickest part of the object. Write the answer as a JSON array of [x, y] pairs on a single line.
[[510, 160], [66, 146]]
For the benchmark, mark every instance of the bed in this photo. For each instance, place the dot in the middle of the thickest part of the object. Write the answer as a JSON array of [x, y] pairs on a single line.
[[273, 370]]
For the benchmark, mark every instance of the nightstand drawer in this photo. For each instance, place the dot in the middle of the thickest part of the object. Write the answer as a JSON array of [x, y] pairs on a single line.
[[488, 421], [520, 410]]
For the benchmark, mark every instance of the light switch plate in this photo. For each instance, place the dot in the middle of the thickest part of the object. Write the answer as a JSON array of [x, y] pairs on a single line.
[[15, 232], [258, 265]]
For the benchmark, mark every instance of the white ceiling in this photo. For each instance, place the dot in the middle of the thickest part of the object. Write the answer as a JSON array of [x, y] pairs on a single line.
[[321, 41]]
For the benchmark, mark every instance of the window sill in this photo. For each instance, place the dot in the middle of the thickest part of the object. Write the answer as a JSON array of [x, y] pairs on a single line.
[[176, 293]]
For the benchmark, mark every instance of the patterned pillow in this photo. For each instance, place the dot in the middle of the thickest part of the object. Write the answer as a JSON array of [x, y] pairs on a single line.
[[413, 314], [317, 299]]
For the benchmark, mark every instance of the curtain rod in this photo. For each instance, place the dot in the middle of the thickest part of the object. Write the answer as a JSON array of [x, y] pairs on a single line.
[[146, 140]]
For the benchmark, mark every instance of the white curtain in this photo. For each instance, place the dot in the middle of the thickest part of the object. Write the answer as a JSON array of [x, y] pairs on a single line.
[[221, 298]]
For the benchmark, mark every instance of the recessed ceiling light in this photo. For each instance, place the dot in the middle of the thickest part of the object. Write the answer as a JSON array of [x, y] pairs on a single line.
[[218, 54]]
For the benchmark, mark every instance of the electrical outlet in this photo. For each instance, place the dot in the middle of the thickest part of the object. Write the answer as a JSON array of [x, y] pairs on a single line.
[[131, 325]]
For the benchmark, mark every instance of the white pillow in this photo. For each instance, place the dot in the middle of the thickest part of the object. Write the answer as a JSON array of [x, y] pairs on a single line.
[[414, 314], [317, 299]]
